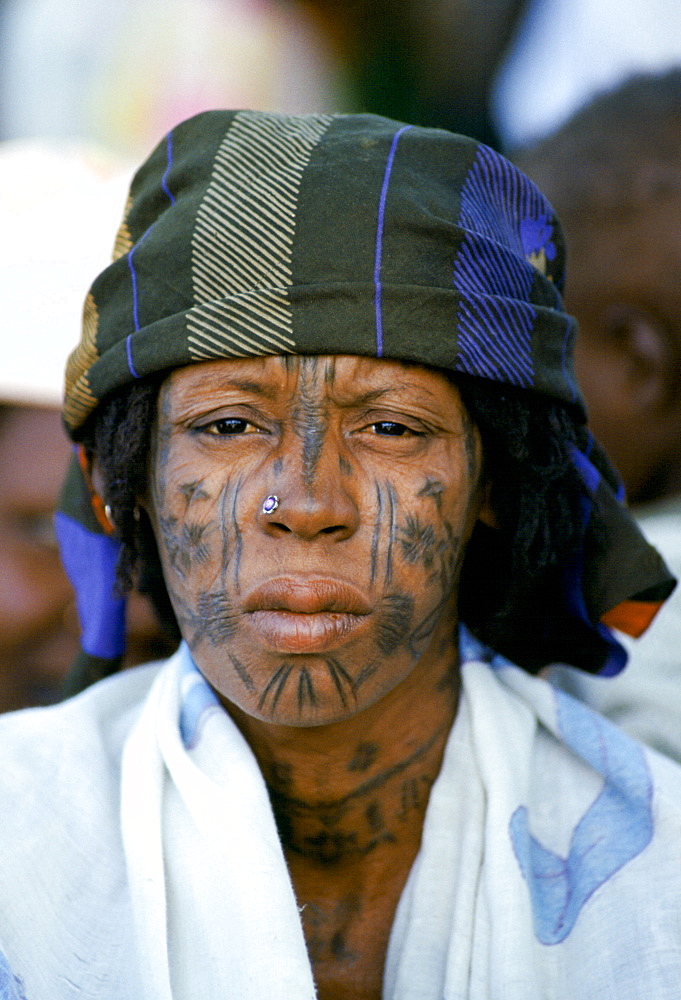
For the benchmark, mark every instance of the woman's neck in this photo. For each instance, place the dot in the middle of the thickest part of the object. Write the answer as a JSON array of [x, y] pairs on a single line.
[[344, 791], [349, 801]]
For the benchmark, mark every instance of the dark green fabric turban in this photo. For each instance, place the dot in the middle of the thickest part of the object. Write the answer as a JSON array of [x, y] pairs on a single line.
[[249, 233]]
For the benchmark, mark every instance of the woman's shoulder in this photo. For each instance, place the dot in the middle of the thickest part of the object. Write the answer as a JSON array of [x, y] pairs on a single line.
[[86, 731]]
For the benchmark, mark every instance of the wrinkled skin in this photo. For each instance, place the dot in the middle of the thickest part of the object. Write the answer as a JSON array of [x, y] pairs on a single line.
[[312, 613], [328, 627]]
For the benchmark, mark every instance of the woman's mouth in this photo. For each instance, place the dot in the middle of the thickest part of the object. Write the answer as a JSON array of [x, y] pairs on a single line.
[[305, 616]]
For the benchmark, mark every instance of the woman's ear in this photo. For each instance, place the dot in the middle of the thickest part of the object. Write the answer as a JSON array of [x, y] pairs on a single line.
[[94, 483], [647, 363], [486, 513]]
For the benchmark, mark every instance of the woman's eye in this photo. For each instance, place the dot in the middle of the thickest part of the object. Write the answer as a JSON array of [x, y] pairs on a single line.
[[391, 428], [227, 425]]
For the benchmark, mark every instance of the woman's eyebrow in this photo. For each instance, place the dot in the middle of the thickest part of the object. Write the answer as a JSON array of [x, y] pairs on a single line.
[[244, 385], [257, 388], [362, 399]]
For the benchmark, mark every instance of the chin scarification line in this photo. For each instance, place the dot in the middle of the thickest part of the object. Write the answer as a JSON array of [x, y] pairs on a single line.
[[306, 691], [242, 673], [342, 680], [275, 686], [243, 237]]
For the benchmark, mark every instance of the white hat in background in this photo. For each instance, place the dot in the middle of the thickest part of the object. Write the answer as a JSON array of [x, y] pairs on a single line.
[[60, 206]]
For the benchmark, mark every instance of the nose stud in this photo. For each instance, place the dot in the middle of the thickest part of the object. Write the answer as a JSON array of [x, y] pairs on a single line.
[[270, 504]]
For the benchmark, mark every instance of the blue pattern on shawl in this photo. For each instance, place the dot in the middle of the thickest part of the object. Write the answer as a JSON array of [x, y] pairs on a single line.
[[198, 699], [616, 827], [11, 986]]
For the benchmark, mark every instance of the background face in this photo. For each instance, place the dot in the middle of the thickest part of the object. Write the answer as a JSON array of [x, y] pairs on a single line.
[[623, 288], [309, 614], [38, 626], [39, 630]]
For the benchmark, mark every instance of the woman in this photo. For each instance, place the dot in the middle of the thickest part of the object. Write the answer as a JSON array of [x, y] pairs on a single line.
[[325, 399]]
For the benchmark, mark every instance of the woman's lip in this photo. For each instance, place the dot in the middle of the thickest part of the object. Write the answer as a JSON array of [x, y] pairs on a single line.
[[293, 632], [308, 596]]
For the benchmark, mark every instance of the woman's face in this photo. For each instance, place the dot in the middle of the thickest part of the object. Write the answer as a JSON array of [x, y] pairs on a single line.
[[310, 613]]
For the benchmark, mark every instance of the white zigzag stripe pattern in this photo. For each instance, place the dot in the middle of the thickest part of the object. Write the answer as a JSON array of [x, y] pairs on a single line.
[[243, 237]]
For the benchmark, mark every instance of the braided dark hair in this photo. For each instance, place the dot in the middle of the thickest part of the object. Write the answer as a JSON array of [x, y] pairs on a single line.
[[509, 573]]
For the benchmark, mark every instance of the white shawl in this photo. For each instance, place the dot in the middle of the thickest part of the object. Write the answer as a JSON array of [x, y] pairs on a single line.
[[139, 858]]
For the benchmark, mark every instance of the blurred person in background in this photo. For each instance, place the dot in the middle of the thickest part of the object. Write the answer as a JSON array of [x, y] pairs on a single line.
[[613, 174], [564, 52], [57, 208]]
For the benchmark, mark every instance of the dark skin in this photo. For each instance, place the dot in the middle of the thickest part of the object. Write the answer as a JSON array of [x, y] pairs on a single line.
[[38, 623], [328, 627], [624, 292], [38, 619]]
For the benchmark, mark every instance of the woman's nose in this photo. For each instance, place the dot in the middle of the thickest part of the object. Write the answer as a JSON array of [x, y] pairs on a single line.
[[312, 505]]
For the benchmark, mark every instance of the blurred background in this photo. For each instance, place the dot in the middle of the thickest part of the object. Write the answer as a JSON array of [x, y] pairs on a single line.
[[506, 71]]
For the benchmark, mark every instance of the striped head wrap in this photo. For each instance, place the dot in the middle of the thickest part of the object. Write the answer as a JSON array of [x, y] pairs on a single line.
[[249, 233]]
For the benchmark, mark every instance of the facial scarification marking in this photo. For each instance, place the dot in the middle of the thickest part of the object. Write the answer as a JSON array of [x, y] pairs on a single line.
[[433, 488], [344, 465], [310, 419], [224, 529], [212, 620], [342, 680], [281, 774], [377, 533], [330, 370], [392, 504], [275, 686], [278, 466], [186, 547], [237, 536], [449, 560], [242, 673], [193, 534], [393, 622], [192, 492], [216, 613], [417, 541], [365, 673], [306, 691]]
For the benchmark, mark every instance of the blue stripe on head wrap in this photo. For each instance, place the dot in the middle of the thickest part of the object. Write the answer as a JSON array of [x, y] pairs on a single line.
[[495, 269], [379, 240]]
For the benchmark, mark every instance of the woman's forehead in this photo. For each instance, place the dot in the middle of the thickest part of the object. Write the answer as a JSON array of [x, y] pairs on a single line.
[[341, 376]]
